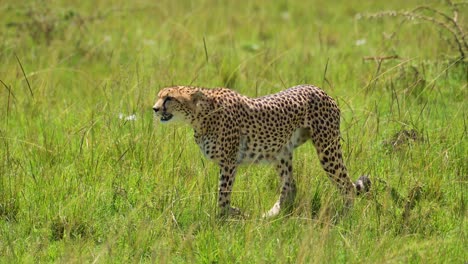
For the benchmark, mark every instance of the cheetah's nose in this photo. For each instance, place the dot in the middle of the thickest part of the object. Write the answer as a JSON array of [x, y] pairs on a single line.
[[156, 109]]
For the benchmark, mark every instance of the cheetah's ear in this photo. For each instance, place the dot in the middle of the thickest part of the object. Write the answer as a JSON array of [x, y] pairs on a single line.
[[198, 96], [200, 101]]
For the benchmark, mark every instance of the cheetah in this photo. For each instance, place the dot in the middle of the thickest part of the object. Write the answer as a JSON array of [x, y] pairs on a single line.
[[232, 129]]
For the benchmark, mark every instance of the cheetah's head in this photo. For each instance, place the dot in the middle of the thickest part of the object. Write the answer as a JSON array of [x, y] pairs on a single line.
[[177, 104]]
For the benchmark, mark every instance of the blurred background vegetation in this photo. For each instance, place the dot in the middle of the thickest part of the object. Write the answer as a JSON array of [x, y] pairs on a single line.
[[87, 176]]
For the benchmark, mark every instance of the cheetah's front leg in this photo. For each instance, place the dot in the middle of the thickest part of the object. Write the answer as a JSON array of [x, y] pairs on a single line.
[[288, 188], [226, 181]]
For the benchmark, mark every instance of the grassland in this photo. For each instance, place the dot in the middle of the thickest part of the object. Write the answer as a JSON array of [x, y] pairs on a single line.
[[86, 175]]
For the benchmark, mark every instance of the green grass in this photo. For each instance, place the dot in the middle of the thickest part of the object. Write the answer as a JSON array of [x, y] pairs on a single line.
[[79, 184]]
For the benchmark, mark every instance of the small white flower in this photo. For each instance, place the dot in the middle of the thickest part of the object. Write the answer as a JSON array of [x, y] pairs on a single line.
[[131, 118], [360, 42]]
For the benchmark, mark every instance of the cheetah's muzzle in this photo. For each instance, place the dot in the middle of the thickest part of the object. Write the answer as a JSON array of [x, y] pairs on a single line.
[[166, 117]]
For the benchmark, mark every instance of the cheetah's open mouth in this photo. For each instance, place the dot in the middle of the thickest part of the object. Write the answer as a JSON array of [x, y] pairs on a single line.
[[166, 117]]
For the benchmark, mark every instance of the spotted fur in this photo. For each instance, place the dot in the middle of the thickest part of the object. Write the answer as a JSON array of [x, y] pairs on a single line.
[[232, 129]]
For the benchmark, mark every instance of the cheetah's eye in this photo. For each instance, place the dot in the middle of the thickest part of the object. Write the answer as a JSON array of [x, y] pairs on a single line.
[[167, 99]]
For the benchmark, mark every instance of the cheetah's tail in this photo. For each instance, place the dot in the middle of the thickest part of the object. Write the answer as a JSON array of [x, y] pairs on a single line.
[[363, 185]]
